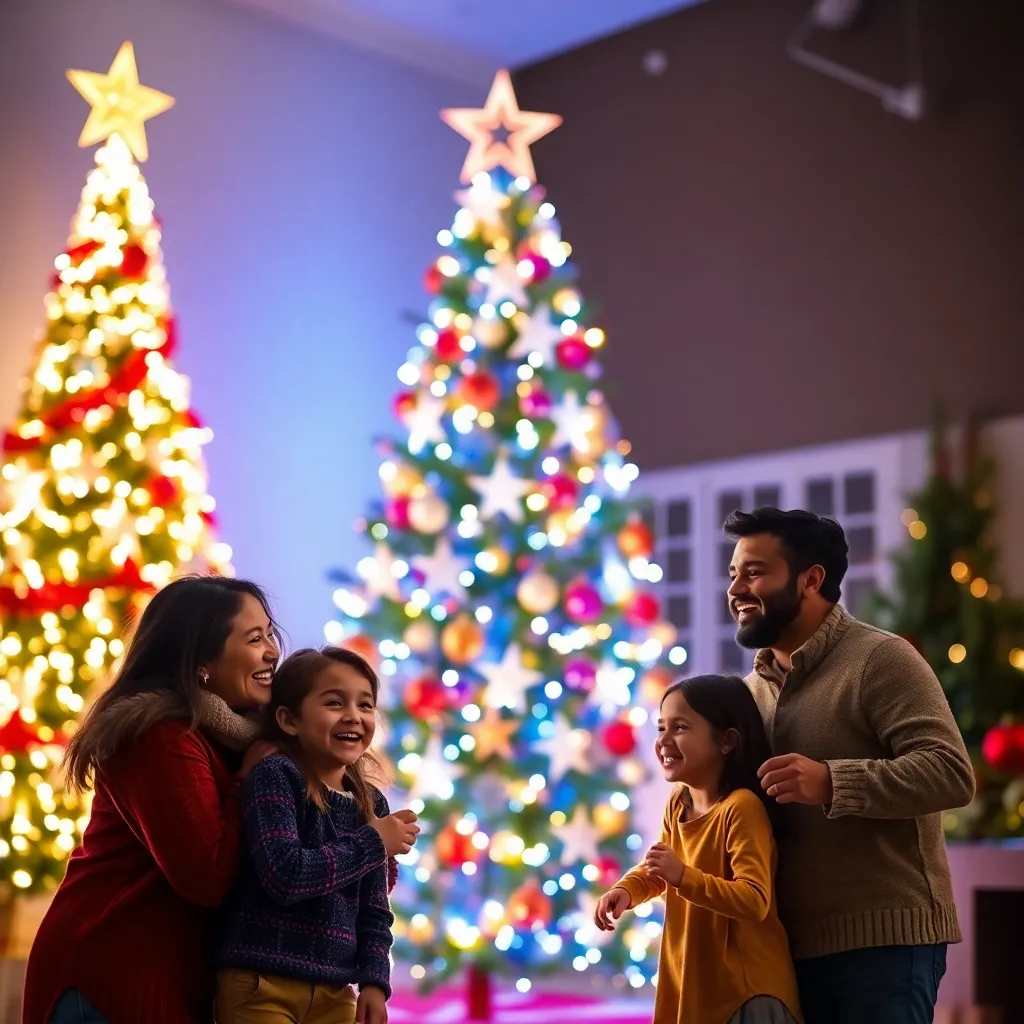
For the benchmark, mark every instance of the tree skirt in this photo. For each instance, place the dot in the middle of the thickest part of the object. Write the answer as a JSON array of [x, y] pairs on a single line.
[[448, 1006]]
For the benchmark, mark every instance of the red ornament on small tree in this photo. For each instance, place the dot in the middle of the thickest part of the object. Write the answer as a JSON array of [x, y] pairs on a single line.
[[582, 602], [480, 390], [403, 403], [454, 849], [641, 609], [1003, 748], [573, 353], [448, 346]]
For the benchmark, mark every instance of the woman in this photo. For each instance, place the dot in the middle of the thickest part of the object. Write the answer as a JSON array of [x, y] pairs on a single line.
[[126, 938]]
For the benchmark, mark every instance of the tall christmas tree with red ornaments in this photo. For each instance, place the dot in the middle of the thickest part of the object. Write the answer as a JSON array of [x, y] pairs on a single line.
[[103, 492], [507, 601]]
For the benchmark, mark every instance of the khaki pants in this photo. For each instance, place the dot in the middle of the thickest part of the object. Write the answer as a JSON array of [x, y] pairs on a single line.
[[245, 997]]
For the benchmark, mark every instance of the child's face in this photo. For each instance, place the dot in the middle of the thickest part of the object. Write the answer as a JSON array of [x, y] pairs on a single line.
[[688, 748], [338, 718]]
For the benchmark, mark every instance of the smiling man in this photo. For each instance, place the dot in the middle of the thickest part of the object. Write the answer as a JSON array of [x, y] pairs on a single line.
[[866, 758]]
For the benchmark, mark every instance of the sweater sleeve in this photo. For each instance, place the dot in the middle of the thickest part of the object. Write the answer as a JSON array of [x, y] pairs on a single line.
[[929, 769], [164, 786], [639, 882], [288, 871], [747, 894], [373, 922]]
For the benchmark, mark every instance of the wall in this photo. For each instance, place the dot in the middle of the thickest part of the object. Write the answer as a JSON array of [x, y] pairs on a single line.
[[301, 185], [800, 266]]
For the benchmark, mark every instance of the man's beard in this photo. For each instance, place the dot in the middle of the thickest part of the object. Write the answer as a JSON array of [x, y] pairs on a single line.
[[765, 628]]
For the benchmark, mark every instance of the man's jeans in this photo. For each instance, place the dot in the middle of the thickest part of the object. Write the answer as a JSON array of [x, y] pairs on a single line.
[[886, 985]]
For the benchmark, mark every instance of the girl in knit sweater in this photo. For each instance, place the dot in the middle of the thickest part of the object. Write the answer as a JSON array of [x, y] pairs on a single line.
[[724, 955], [309, 918]]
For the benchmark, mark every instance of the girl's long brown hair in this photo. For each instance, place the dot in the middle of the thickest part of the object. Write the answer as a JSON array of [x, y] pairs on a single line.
[[293, 682]]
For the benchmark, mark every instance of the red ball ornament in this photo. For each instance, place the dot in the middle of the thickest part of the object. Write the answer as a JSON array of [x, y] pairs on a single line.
[[480, 390], [535, 404], [448, 347], [560, 490], [573, 353], [77, 253], [453, 849], [397, 513], [642, 609], [582, 602], [1003, 748], [403, 403], [134, 261], [619, 738], [425, 697], [433, 280], [162, 491], [364, 646], [580, 674], [636, 540]]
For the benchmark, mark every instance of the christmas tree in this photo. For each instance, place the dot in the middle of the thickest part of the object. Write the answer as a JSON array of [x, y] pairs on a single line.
[[506, 601], [947, 602], [103, 489]]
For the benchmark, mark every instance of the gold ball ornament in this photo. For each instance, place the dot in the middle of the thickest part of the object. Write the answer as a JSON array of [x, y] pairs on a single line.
[[664, 632], [428, 513], [564, 522], [538, 593], [491, 332], [401, 482], [421, 636], [609, 821], [462, 640], [653, 686], [420, 929], [500, 561]]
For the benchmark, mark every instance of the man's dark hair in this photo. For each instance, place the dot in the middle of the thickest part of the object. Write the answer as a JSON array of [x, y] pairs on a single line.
[[806, 540]]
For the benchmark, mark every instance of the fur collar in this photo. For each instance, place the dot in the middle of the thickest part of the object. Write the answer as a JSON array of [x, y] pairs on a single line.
[[129, 717]]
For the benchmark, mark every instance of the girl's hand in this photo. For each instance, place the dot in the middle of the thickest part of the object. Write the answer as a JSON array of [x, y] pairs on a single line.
[[664, 864], [372, 1006], [610, 907], [256, 753], [398, 831]]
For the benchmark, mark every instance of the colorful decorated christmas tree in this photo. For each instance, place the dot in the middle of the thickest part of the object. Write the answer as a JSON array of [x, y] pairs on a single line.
[[103, 489], [948, 602], [506, 602]]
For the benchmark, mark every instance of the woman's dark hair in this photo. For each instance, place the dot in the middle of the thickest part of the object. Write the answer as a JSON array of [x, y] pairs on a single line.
[[293, 682], [726, 703], [184, 626], [805, 539]]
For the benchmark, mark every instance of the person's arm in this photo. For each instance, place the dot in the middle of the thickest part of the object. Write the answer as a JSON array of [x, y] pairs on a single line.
[[288, 871], [639, 882], [747, 895], [163, 785], [930, 770], [373, 922]]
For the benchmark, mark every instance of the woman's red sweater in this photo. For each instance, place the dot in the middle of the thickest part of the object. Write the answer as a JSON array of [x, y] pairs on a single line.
[[131, 924]]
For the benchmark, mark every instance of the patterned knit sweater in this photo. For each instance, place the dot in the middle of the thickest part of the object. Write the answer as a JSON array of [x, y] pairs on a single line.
[[311, 901]]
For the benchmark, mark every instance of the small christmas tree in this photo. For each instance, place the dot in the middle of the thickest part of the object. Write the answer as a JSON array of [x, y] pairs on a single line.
[[505, 601], [948, 602], [103, 490]]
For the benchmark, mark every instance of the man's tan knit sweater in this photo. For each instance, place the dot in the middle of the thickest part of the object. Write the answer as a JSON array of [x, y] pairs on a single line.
[[871, 869]]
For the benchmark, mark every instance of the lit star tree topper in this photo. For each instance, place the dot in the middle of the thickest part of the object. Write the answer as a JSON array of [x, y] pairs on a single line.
[[103, 493], [507, 604]]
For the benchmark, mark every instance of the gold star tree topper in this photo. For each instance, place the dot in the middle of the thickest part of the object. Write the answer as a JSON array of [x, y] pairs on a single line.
[[501, 111], [120, 105]]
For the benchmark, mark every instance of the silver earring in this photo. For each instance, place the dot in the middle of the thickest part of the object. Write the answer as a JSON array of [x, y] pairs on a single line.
[[204, 677]]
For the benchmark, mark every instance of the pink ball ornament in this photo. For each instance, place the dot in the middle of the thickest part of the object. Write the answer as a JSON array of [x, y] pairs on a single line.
[[560, 490], [536, 404], [573, 353], [397, 513], [580, 674], [619, 738], [540, 266], [582, 602]]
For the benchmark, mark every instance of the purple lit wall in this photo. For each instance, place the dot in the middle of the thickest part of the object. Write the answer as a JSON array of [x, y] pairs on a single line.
[[301, 184]]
